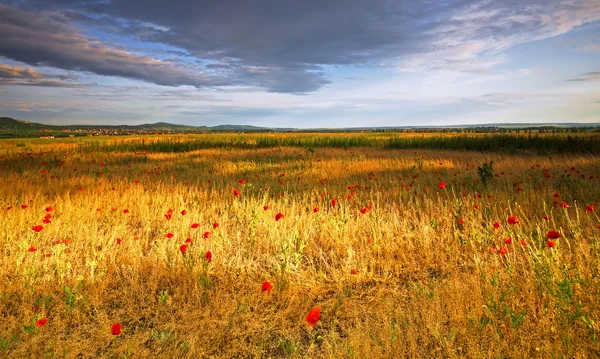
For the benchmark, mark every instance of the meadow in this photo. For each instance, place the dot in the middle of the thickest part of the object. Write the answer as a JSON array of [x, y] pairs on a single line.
[[301, 245]]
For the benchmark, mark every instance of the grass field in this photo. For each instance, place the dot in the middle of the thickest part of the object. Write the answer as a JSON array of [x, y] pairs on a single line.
[[403, 248]]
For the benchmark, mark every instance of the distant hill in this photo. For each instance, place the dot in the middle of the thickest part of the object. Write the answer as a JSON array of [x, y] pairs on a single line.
[[12, 128]]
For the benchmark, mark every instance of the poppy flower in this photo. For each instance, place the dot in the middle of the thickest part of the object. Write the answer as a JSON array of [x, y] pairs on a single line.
[[208, 256], [353, 271], [556, 195], [46, 221], [523, 243], [278, 216], [242, 181], [496, 225], [125, 210], [508, 240], [548, 218], [550, 244], [334, 202], [564, 205], [313, 316], [195, 225], [168, 215], [206, 235], [461, 221], [24, 206], [41, 322], [266, 286], [236, 192], [503, 251], [266, 208], [37, 228], [316, 209], [512, 220], [553, 234], [115, 329], [32, 249], [49, 209], [169, 235], [184, 212], [215, 225], [118, 240], [363, 210], [442, 185], [188, 240], [183, 248], [589, 209]]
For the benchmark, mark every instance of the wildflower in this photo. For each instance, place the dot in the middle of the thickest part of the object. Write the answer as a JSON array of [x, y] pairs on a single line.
[[242, 181], [278, 216], [184, 212], [37, 228], [236, 192], [508, 240], [316, 209], [313, 316], [208, 256], [206, 235], [32, 249], [553, 234], [334, 202], [266, 286], [183, 248], [115, 329], [589, 209], [512, 220], [195, 225], [266, 208], [215, 225], [442, 185], [169, 235], [550, 244], [496, 225], [41, 322], [353, 271], [503, 251]]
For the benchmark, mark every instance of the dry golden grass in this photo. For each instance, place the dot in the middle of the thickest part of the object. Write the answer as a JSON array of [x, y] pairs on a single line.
[[425, 284]]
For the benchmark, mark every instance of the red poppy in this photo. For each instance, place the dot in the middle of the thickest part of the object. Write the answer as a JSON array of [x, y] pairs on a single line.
[[24, 206], [195, 225], [313, 316], [548, 218], [334, 202], [503, 251], [316, 209], [589, 209], [556, 195], [523, 243], [496, 225], [115, 329], [266, 286], [266, 208], [41, 322], [206, 235], [37, 228], [550, 244], [208, 256], [242, 181], [353, 271], [188, 240], [183, 248], [215, 225], [169, 235], [184, 212], [553, 234], [461, 221], [363, 210], [49, 209], [512, 220], [508, 240], [278, 216], [46, 221], [168, 215], [125, 210], [442, 185], [565, 205], [32, 249], [236, 192]]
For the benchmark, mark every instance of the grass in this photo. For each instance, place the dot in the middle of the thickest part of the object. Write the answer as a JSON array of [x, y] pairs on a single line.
[[430, 279]]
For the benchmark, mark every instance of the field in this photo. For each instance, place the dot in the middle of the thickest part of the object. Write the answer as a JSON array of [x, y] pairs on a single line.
[[221, 245]]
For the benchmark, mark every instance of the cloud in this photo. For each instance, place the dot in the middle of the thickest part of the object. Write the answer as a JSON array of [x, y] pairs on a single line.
[[587, 77], [281, 45], [16, 75], [47, 39]]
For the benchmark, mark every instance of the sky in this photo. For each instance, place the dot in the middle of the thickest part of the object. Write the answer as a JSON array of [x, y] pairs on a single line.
[[303, 64]]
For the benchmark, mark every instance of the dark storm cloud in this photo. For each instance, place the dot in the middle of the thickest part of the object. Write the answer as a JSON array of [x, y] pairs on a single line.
[[284, 45]]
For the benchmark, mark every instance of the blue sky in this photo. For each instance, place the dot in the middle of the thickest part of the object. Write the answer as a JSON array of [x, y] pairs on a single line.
[[300, 64]]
